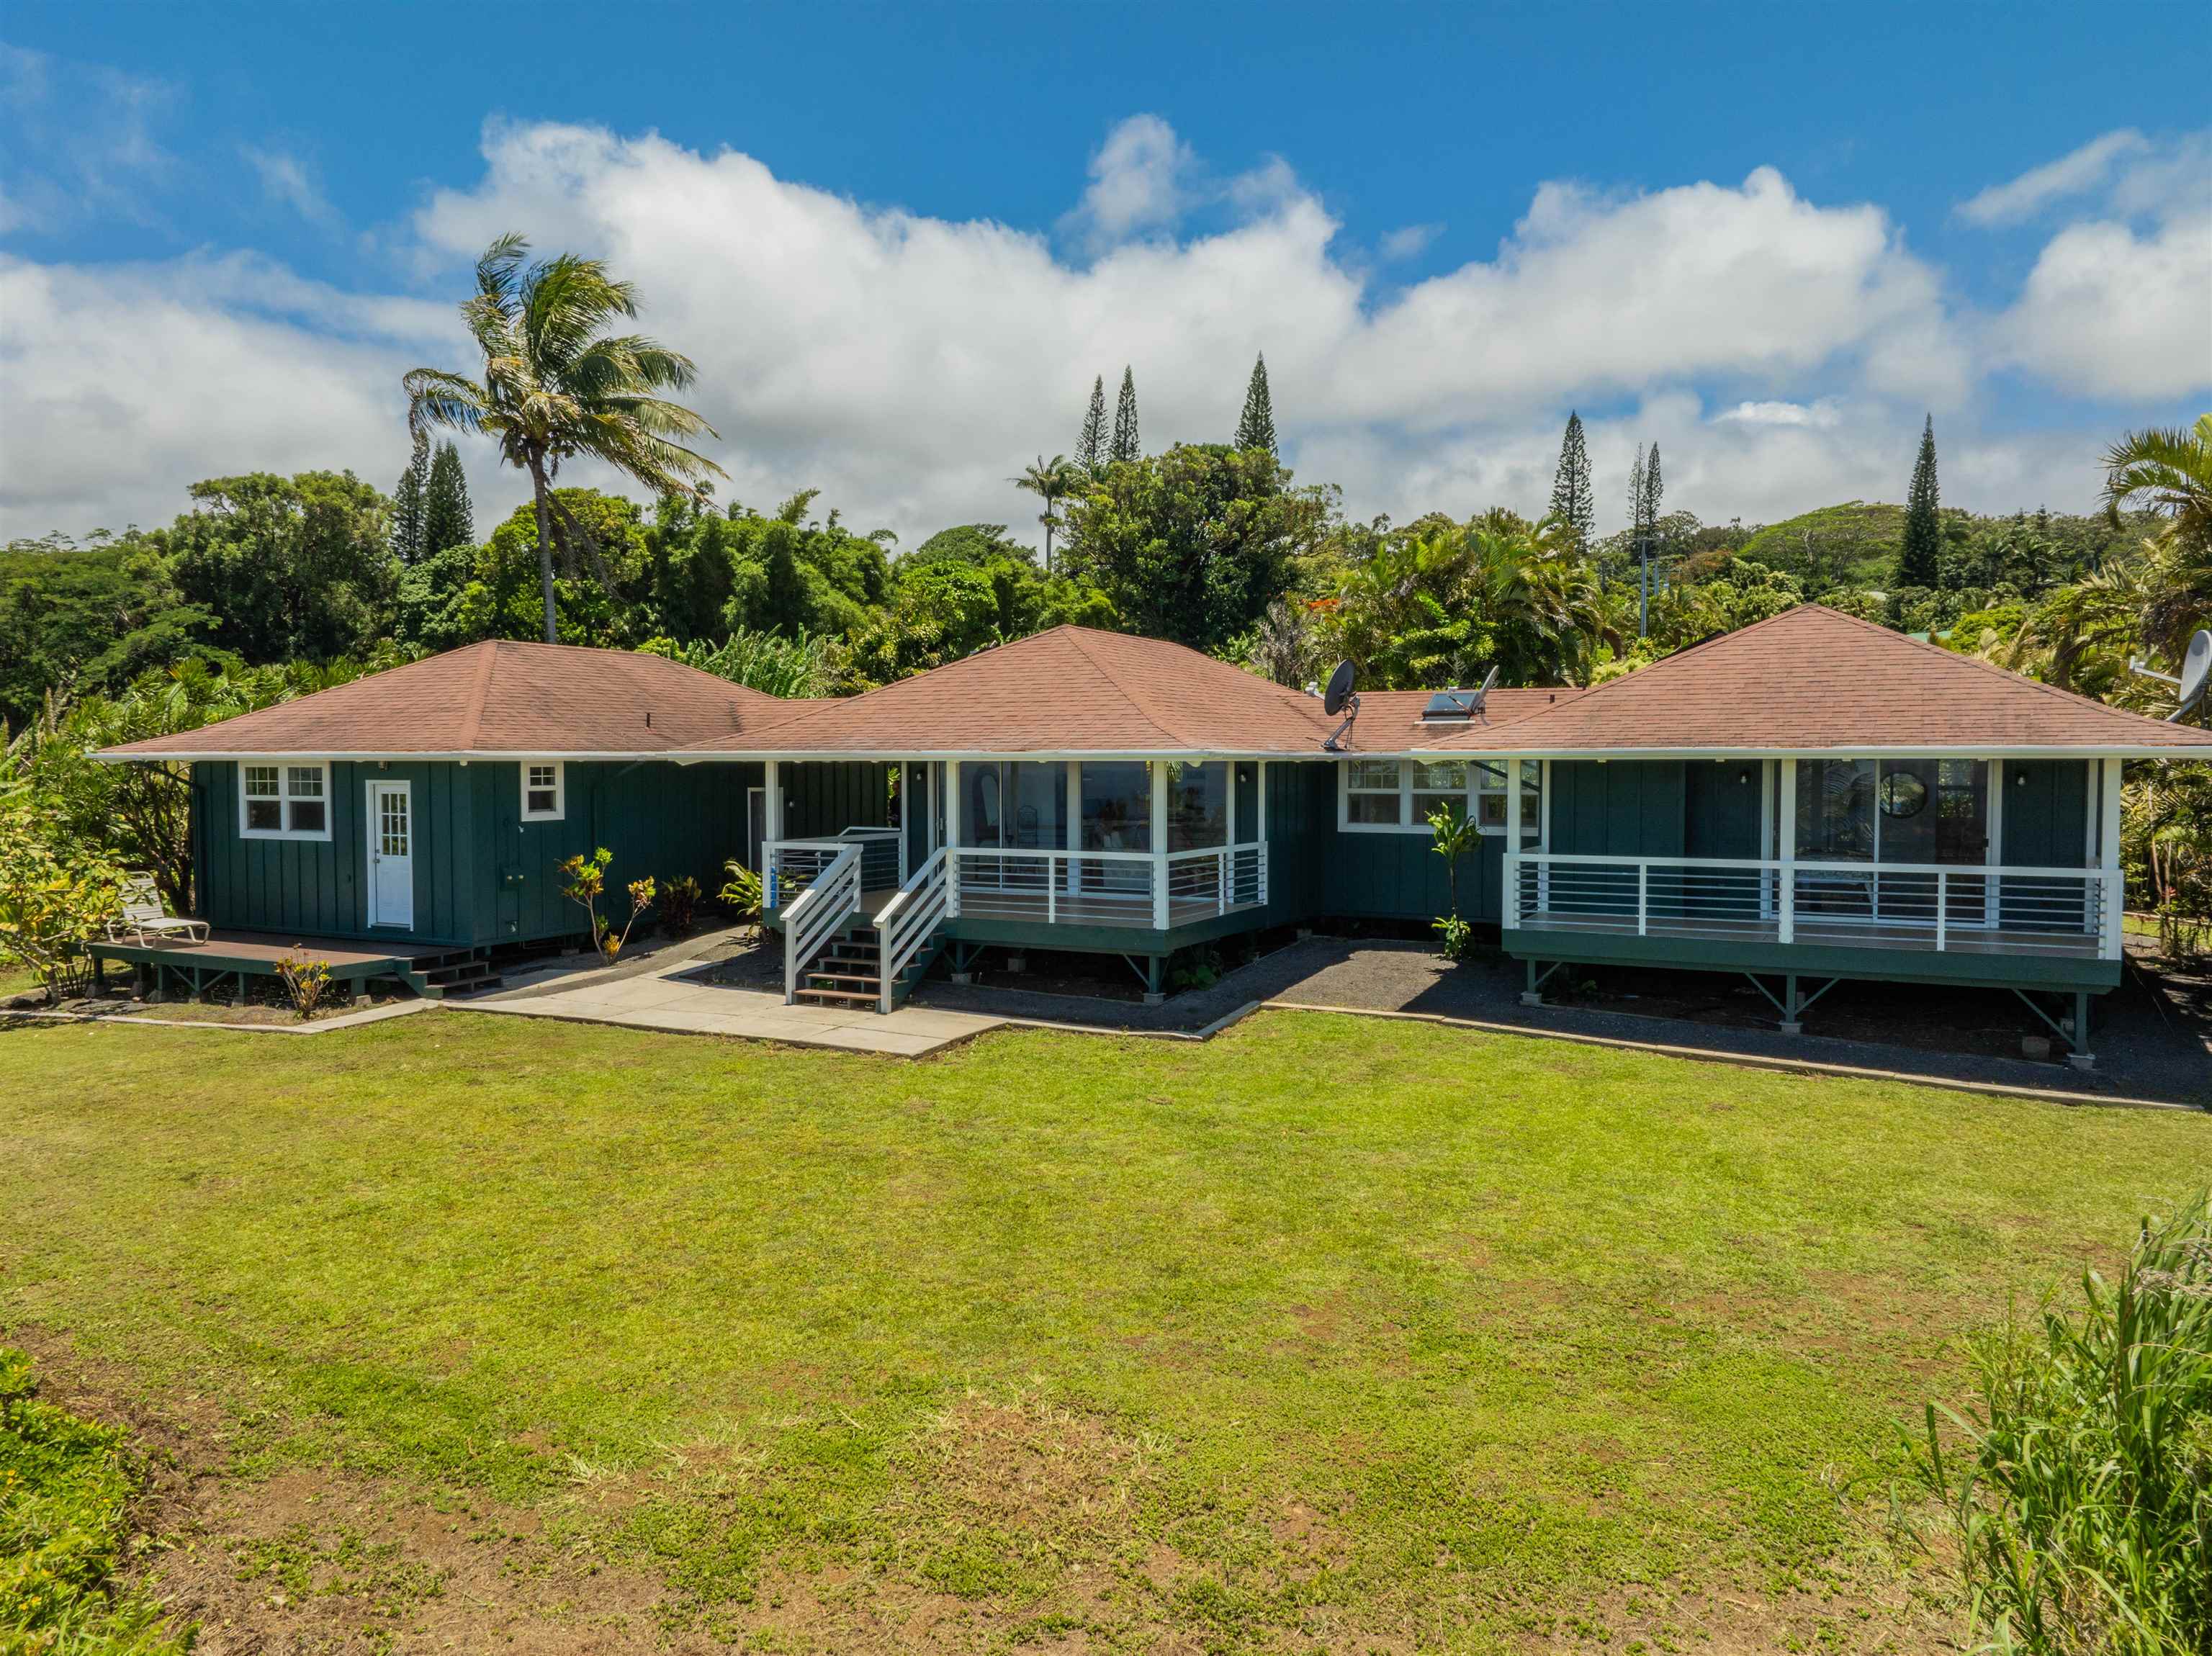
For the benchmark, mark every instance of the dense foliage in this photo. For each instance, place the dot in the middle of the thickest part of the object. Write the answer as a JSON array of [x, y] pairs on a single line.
[[2079, 1486]]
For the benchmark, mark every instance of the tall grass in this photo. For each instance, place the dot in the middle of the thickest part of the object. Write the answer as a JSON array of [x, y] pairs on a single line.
[[765, 661], [2079, 1489]]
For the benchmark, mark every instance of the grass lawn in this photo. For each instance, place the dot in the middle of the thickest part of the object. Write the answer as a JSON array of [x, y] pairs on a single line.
[[1330, 1334]]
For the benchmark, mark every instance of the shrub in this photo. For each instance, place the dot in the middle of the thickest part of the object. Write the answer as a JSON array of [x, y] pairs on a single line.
[[1457, 935], [582, 881], [679, 902], [54, 897], [2080, 1485], [305, 982]]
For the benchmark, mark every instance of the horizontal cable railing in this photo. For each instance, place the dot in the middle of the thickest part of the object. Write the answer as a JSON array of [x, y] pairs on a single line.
[[1107, 888], [818, 914], [2070, 912], [793, 864], [905, 924]]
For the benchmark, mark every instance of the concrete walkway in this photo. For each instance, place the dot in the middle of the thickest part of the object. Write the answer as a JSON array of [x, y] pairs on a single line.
[[671, 999]]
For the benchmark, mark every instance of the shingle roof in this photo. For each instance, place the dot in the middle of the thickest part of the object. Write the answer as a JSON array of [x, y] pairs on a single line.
[[1813, 679], [1077, 690], [497, 697]]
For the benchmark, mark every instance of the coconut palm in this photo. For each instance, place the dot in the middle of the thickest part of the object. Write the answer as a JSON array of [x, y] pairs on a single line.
[[2171, 472], [558, 386], [1052, 482]]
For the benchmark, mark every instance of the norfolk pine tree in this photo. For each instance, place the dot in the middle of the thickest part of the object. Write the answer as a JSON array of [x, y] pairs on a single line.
[[1255, 427], [1923, 533], [1573, 501], [408, 506], [448, 520], [1090, 445], [1126, 446]]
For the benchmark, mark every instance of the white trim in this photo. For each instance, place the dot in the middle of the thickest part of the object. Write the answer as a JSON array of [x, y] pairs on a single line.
[[283, 796], [1481, 784], [560, 811]]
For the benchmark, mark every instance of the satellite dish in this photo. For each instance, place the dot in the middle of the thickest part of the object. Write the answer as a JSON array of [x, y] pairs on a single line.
[[1339, 688], [1482, 696], [2196, 669]]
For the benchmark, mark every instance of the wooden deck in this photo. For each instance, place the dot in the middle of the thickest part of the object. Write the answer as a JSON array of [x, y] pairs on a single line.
[[427, 968]]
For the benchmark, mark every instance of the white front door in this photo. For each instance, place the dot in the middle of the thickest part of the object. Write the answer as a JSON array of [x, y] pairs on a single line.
[[390, 854]]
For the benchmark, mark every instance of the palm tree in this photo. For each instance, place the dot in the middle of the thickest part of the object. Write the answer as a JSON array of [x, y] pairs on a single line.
[[555, 386], [2171, 471], [1052, 482]]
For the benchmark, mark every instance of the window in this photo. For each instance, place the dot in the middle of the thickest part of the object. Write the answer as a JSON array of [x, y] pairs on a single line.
[[284, 801], [1117, 806], [1373, 796], [1198, 806], [1899, 810], [543, 783], [1387, 794], [1019, 804]]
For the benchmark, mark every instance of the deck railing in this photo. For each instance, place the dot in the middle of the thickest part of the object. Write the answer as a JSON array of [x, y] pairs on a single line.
[[2067, 912], [818, 914], [905, 924], [793, 864], [1107, 888]]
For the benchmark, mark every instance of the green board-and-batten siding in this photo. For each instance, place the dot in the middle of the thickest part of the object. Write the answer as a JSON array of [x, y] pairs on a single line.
[[481, 875]]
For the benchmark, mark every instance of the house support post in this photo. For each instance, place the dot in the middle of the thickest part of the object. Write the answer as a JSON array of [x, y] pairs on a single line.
[[1155, 975], [1534, 994], [963, 956], [2081, 1058], [1786, 849], [771, 830]]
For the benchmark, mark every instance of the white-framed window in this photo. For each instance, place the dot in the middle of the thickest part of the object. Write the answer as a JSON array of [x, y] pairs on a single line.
[[284, 799], [1397, 796], [544, 797]]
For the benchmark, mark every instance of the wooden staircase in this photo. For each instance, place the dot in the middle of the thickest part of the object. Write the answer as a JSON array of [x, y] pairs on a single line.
[[440, 977], [849, 972]]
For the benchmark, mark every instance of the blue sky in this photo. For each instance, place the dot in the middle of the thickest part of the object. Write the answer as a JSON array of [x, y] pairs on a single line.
[[901, 242]]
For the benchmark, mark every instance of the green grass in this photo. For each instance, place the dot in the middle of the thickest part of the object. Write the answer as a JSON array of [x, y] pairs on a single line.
[[1329, 1330], [66, 1486]]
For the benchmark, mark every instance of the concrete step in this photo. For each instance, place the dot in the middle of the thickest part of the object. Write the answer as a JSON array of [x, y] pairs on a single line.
[[868, 998]]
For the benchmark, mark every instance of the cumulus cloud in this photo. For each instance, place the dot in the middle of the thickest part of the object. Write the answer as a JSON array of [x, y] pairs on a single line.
[[80, 140], [2074, 174], [1409, 241], [1782, 349], [2120, 306]]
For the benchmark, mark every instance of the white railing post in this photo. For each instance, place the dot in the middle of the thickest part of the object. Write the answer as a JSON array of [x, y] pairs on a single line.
[[1942, 912], [1221, 881], [1159, 769], [1509, 899], [1642, 899], [953, 837], [1786, 813], [1263, 850], [2114, 895]]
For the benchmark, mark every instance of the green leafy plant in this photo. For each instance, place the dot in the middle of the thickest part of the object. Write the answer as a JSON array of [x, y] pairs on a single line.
[[1457, 935], [66, 1487], [1197, 967], [54, 898], [2079, 1487], [742, 894], [305, 983], [584, 880], [679, 902]]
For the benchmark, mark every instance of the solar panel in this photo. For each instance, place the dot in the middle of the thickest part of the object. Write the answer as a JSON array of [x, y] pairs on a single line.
[[1452, 704]]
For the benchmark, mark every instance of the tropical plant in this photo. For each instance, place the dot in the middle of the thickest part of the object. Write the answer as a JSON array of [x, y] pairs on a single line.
[[2079, 1489], [2171, 472], [742, 894], [584, 880], [679, 902], [305, 982], [1052, 482], [558, 387], [767, 661], [1453, 835], [55, 895]]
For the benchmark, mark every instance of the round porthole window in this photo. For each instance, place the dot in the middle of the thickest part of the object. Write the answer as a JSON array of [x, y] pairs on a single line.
[[1902, 794]]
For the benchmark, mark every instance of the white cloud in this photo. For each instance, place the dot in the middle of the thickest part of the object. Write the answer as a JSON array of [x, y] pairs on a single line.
[[2120, 306], [2074, 174], [1780, 349], [285, 180], [80, 142], [1410, 241], [1136, 182]]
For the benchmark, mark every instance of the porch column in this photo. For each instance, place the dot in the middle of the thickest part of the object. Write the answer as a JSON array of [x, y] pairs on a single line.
[[951, 839], [1509, 898], [1073, 841], [1259, 827], [1159, 773], [1786, 846], [771, 829], [2108, 847]]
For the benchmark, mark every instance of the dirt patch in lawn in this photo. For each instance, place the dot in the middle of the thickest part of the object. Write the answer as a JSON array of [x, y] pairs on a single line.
[[1831, 1614], [317, 1560]]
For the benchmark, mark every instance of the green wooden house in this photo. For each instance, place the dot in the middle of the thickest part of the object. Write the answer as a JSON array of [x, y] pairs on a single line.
[[1810, 799]]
